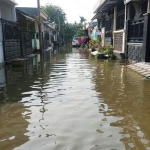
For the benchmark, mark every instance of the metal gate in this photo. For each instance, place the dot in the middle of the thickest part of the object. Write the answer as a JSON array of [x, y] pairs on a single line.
[[11, 40], [26, 41]]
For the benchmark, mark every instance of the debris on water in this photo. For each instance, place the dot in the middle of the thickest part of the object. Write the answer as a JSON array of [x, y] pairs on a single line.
[[131, 145], [99, 131], [147, 77], [11, 138], [144, 141], [104, 119], [109, 136]]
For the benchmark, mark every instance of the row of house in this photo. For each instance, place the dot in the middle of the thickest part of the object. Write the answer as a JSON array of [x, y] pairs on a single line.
[[126, 25], [19, 28]]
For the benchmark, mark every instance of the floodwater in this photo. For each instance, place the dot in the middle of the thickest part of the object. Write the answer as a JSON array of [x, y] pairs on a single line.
[[71, 101]]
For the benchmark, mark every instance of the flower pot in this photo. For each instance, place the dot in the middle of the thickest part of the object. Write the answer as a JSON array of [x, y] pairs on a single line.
[[101, 55]]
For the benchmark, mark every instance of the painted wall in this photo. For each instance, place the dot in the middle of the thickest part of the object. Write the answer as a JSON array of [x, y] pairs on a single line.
[[7, 11]]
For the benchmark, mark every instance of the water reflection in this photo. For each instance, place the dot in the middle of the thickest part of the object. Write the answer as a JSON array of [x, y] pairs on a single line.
[[123, 91], [68, 101], [14, 115], [2, 78]]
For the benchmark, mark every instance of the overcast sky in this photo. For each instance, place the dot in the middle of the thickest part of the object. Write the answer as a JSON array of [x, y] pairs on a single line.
[[73, 8]]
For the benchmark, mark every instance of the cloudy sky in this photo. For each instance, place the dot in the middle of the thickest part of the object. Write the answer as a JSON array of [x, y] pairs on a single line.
[[73, 8]]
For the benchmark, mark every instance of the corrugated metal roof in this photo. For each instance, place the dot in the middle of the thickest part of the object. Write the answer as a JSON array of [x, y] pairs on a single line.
[[25, 15], [29, 11]]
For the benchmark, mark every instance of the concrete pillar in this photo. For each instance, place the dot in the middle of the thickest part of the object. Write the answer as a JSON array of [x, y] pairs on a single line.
[[125, 16], [128, 12], [1, 43], [115, 18], [148, 7], [13, 13], [124, 33]]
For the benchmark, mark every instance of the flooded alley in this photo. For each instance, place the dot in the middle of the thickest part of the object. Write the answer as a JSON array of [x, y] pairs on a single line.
[[70, 101]]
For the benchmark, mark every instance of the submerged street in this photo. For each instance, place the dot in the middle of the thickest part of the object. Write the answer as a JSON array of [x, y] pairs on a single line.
[[70, 101]]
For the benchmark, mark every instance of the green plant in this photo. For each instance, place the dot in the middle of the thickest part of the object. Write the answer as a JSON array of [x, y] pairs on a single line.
[[106, 49], [95, 43]]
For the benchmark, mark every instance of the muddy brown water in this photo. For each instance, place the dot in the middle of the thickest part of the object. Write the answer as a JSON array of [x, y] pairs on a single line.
[[71, 101]]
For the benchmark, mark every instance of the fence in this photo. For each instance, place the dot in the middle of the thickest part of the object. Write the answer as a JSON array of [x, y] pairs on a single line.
[[45, 40], [135, 31], [26, 41], [11, 40]]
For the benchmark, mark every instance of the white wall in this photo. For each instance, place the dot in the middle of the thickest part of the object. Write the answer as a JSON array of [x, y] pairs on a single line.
[[7, 11], [1, 45]]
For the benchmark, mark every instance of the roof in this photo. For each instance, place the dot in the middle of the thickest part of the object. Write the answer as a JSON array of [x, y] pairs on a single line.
[[48, 24], [96, 16], [11, 2], [93, 24], [25, 15], [31, 11], [106, 4]]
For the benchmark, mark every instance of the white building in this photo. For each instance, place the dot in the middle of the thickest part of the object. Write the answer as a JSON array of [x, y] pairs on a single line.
[[7, 12]]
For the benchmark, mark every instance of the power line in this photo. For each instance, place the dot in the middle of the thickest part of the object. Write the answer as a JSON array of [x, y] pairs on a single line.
[[83, 6]]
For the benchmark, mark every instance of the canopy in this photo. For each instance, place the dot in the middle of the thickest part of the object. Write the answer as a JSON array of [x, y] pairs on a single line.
[[27, 17]]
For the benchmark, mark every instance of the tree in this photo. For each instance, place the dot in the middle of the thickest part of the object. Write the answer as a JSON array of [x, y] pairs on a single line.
[[55, 14], [72, 30], [67, 30], [82, 19]]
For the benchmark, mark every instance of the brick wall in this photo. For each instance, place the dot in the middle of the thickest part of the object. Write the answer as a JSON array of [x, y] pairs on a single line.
[[118, 41]]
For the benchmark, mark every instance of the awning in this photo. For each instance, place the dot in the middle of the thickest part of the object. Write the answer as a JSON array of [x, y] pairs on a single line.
[[105, 5], [48, 24], [27, 17], [96, 16]]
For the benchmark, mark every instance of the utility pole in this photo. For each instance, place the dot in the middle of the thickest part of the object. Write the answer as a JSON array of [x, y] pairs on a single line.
[[39, 25], [59, 20], [58, 27]]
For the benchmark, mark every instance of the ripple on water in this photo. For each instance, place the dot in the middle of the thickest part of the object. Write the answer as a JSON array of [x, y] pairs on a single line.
[[75, 103]]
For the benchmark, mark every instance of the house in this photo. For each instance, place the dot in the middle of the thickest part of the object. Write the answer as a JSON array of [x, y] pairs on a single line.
[[27, 32], [46, 28], [110, 15], [9, 31], [138, 30], [127, 24]]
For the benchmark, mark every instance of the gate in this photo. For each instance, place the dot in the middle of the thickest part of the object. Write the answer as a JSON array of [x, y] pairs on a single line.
[[11, 40], [45, 40], [26, 41]]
